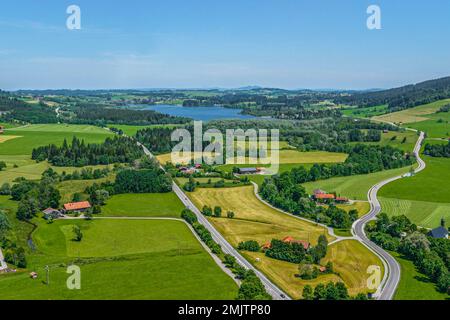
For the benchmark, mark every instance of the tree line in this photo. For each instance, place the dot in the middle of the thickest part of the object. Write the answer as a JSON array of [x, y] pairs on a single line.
[[437, 150], [79, 154]]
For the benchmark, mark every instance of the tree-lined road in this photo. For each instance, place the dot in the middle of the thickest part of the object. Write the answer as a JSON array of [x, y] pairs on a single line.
[[391, 277]]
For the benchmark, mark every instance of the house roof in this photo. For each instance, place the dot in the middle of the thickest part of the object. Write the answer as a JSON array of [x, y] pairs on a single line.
[[439, 232], [50, 210], [77, 206], [290, 239], [248, 170], [342, 199], [324, 196], [319, 191]]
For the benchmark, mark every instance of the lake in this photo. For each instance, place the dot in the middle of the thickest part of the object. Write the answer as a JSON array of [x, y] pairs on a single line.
[[199, 113]]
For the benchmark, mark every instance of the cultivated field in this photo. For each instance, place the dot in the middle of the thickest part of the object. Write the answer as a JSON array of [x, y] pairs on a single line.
[[121, 260]]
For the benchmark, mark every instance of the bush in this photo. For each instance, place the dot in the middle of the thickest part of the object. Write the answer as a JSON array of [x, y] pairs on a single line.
[[189, 216], [250, 245]]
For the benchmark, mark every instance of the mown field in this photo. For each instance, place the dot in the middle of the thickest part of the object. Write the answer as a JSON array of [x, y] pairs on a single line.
[[143, 205], [424, 198], [354, 187], [285, 157], [415, 285], [412, 115], [438, 125], [256, 221], [120, 260]]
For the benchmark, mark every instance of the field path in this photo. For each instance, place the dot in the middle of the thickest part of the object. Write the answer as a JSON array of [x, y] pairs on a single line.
[[391, 277]]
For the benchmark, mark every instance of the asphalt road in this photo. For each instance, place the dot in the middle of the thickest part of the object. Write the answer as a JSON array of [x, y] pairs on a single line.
[[392, 268], [272, 289]]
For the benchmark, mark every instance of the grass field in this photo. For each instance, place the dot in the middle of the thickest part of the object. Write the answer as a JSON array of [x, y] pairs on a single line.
[[33, 136], [353, 187], [17, 152], [121, 260], [413, 115], [144, 205], [422, 213], [438, 125], [350, 260], [285, 157], [395, 140], [365, 112], [428, 185], [415, 285]]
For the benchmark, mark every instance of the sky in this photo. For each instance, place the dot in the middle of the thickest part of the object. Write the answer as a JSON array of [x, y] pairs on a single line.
[[291, 44]]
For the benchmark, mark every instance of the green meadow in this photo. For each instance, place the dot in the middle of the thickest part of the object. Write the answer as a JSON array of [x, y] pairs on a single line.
[[438, 125], [143, 205], [126, 259], [413, 284], [130, 130], [403, 140], [354, 187], [366, 112]]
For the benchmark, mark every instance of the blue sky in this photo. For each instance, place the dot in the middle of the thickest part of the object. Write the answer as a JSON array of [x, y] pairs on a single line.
[[233, 43]]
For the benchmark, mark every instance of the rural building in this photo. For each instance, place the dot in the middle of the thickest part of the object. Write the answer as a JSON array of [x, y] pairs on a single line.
[[439, 233], [2, 129], [248, 170], [52, 213], [318, 191], [77, 206], [304, 243], [324, 197], [322, 269], [267, 246], [341, 200]]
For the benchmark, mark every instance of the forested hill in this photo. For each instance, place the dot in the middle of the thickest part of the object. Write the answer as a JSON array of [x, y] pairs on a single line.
[[404, 97]]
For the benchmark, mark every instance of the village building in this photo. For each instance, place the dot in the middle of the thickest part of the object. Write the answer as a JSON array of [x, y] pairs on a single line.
[[2, 129], [248, 170], [51, 213], [77, 206], [306, 245], [324, 197], [341, 200], [439, 233]]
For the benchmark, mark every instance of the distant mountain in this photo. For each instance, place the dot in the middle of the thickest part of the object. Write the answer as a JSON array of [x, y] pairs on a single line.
[[403, 97]]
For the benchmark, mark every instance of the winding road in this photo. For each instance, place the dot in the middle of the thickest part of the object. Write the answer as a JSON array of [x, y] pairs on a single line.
[[391, 277]]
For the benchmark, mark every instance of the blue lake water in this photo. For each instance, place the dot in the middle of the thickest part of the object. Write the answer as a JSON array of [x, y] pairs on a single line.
[[200, 113]]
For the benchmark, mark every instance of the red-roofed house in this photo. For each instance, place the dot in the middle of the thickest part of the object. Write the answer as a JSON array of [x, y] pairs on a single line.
[[77, 206], [341, 200], [304, 243], [267, 246]]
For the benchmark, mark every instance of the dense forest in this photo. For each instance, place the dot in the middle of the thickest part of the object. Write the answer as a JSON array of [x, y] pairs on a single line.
[[403, 97], [79, 154], [12, 109], [437, 150], [99, 115]]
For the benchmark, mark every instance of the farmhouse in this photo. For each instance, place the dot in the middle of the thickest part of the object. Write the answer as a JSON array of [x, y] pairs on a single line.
[[341, 200], [248, 170], [304, 243], [77, 206], [439, 233], [51, 213], [324, 197]]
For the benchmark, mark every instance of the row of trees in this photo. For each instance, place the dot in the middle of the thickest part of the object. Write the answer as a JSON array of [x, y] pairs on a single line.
[[251, 286], [79, 154], [330, 291], [428, 254]]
